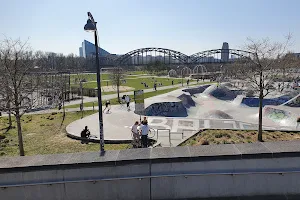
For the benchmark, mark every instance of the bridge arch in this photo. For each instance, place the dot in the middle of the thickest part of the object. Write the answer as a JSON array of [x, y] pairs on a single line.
[[152, 54], [218, 56]]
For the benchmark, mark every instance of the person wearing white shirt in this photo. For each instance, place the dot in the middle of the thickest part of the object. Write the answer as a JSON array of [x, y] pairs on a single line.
[[127, 100], [144, 132]]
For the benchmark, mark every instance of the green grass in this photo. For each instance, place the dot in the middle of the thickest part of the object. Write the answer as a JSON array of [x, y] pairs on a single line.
[[115, 100], [88, 77], [137, 72], [43, 134], [237, 136], [136, 83]]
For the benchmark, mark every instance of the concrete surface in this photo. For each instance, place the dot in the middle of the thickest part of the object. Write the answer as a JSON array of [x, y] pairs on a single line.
[[204, 112]]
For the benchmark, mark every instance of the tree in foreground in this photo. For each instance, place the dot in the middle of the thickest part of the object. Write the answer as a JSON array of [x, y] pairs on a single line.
[[262, 67], [116, 77], [16, 62]]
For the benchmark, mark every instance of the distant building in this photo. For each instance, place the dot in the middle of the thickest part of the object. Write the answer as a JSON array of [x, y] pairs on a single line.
[[225, 52], [80, 52], [88, 49], [297, 55]]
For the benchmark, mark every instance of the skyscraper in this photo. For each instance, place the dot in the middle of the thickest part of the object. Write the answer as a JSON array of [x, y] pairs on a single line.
[[88, 49], [225, 52]]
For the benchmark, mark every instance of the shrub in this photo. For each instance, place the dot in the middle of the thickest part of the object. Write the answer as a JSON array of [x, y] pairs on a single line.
[[5, 141], [2, 136], [240, 135], [2, 153]]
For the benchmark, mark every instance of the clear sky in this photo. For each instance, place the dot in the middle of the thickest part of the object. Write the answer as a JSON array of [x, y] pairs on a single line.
[[188, 26]]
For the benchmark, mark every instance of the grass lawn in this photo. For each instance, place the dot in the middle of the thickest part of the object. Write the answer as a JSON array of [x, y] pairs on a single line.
[[104, 76], [237, 136], [136, 83], [115, 100], [88, 77], [43, 134]]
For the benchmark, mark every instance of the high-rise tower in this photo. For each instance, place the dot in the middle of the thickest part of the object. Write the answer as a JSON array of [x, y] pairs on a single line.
[[225, 52]]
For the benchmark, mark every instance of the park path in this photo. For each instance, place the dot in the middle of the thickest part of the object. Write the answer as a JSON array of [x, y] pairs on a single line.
[[113, 96]]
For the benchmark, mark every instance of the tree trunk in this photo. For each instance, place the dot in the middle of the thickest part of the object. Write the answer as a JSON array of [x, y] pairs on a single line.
[[118, 91], [20, 137], [9, 115], [9, 119], [261, 97]]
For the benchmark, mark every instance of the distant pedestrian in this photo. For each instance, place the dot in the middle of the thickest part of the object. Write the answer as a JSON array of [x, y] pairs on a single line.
[[144, 120], [107, 106], [298, 123], [197, 80], [187, 82], [172, 82], [144, 132], [154, 86], [127, 100]]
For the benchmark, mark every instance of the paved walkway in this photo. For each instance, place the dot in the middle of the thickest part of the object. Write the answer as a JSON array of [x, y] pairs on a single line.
[[113, 96]]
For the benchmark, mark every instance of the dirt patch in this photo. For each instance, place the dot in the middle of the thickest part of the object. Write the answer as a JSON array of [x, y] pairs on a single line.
[[114, 88], [238, 136]]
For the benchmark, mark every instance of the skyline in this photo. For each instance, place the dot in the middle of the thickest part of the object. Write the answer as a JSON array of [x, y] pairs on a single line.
[[187, 27]]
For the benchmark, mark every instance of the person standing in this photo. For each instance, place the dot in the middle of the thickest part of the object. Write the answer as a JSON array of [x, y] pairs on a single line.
[[298, 123], [145, 131], [187, 82], [135, 135], [172, 82], [154, 86], [127, 100]]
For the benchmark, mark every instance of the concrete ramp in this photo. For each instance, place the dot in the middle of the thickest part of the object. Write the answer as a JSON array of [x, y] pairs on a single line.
[[294, 102], [187, 100], [166, 109], [217, 114]]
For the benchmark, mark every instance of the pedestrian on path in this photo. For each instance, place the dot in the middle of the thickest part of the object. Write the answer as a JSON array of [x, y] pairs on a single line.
[[144, 132], [127, 100], [187, 82], [154, 86], [107, 106], [172, 82]]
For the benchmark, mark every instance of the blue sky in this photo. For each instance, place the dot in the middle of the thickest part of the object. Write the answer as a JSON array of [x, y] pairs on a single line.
[[188, 26]]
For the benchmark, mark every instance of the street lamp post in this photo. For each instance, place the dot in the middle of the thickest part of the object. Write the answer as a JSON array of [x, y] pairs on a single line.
[[91, 27]]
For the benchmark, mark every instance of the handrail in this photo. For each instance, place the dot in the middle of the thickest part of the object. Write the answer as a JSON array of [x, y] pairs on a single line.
[[164, 130], [150, 176]]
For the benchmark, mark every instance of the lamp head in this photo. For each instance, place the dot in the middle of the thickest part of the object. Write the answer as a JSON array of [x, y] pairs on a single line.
[[90, 26]]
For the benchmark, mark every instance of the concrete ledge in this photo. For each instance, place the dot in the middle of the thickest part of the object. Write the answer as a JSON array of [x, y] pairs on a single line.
[[154, 155]]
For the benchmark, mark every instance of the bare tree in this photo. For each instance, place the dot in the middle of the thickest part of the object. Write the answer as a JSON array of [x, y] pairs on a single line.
[[116, 77], [16, 61], [262, 67]]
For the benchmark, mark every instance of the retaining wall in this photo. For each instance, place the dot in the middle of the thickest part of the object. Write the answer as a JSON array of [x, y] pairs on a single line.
[[161, 173]]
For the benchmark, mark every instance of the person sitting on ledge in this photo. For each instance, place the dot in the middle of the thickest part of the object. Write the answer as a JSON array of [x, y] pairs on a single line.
[[85, 134]]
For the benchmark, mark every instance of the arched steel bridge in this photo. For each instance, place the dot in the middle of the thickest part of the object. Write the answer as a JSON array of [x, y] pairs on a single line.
[[149, 55]]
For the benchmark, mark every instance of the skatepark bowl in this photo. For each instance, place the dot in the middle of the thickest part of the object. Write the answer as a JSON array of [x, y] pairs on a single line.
[[179, 112]]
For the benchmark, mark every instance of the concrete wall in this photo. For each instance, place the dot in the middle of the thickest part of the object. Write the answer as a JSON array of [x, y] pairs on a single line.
[[161, 173]]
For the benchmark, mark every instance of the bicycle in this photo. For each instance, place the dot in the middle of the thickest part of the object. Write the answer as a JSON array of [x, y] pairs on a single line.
[[152, 133]]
